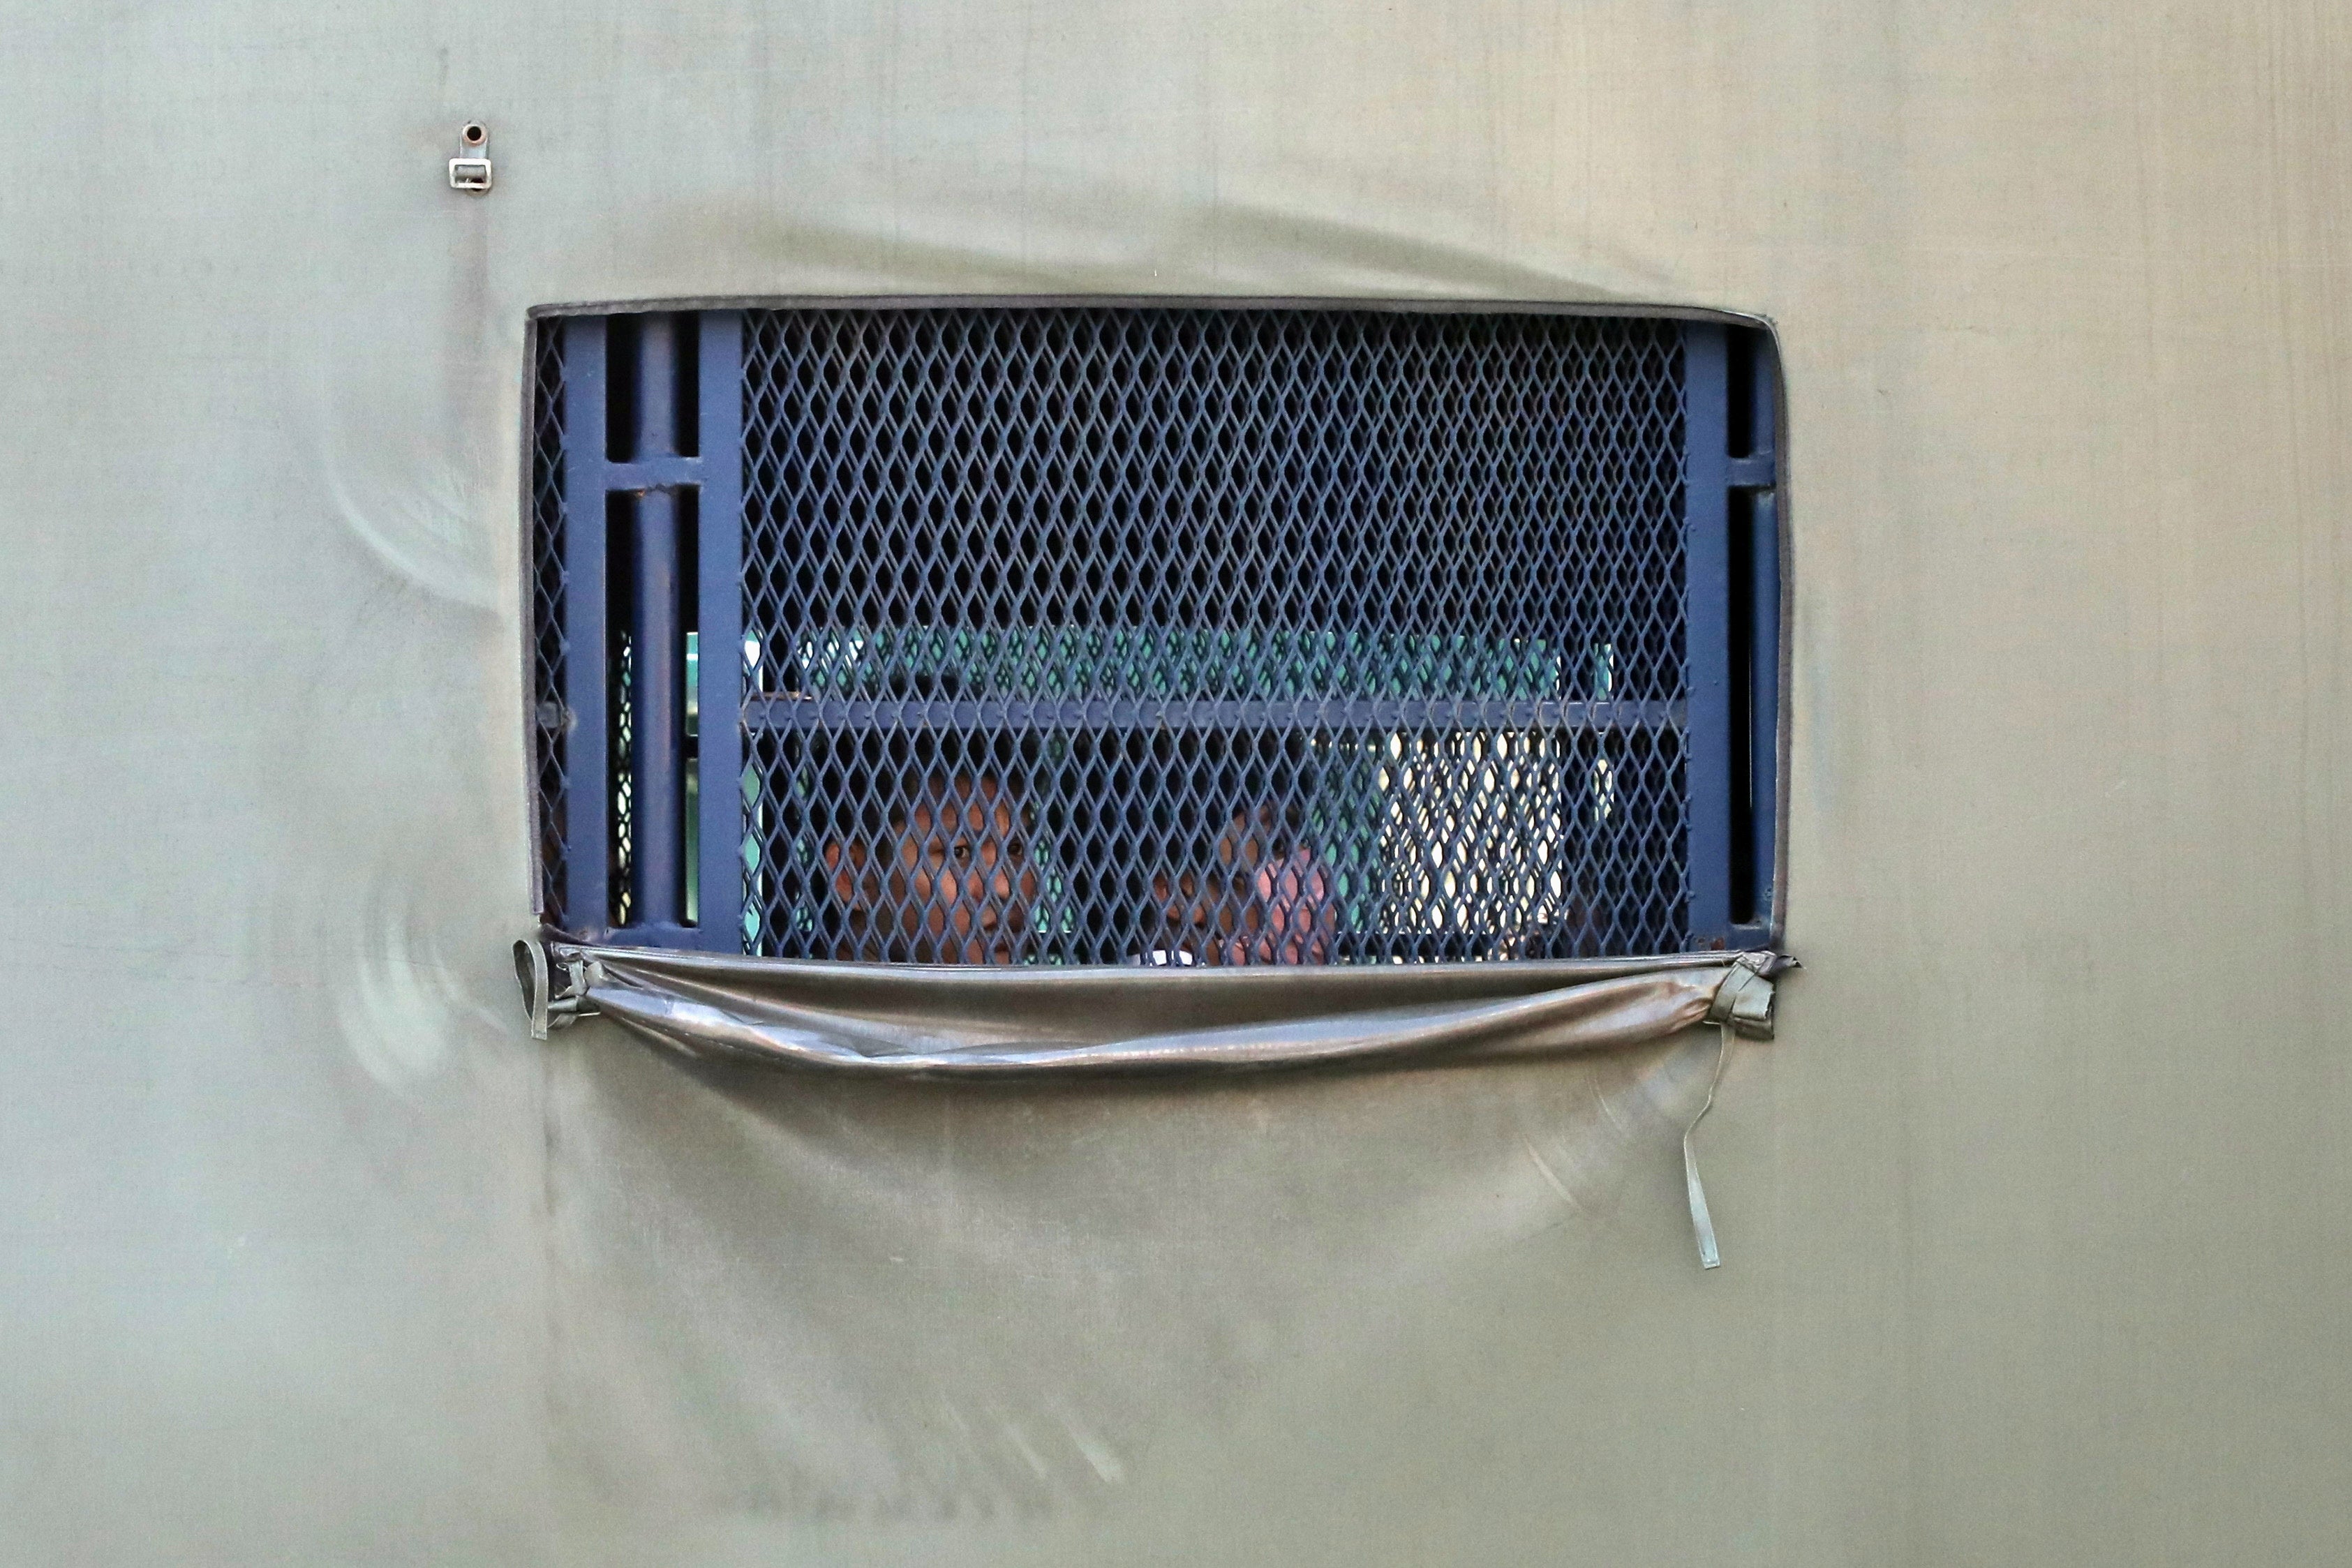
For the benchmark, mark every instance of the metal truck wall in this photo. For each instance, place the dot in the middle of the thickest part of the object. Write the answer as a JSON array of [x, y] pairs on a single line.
[[307, 1252]]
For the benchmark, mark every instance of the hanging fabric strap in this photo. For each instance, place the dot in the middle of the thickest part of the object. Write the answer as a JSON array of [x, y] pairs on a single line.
[[1702, 1222], [1743, 1003]]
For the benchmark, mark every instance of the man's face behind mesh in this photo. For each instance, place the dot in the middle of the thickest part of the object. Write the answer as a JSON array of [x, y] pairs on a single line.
[[950, 884], [1265, 900]]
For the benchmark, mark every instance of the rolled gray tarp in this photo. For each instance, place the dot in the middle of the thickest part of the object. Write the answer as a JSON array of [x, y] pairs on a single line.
[[971, 1022]]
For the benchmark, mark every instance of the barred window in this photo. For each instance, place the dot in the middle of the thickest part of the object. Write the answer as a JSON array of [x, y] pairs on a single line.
[[1108, 633]]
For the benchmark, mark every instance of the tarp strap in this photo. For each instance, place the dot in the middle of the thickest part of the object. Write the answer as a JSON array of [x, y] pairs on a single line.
[[1742, 1005], [1702, 1223]]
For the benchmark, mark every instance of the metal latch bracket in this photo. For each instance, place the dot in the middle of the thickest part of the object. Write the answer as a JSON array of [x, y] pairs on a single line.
[[470, 170]]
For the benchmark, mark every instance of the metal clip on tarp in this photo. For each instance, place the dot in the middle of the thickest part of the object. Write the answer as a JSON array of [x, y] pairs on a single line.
[[554, 992]]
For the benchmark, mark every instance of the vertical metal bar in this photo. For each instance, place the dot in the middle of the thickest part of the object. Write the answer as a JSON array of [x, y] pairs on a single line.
[[1764, 727], [587, 850], [719, 541], [1707, 565], [1762, 392], [656, 423], [657, 721], [1764, 730]]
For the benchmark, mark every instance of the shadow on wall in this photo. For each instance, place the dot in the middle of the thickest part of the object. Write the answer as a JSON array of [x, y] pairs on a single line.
[[784, 1294]]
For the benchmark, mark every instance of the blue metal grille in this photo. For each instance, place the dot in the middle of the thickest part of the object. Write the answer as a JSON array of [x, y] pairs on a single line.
[[549, 624], [1118, 634], [1160, 634]]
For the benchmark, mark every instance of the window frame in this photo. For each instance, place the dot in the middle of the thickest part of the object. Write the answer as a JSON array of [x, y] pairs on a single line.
[[1735, 536]]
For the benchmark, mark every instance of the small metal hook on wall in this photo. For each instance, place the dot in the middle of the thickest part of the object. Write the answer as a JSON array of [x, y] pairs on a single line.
[[470, 170]]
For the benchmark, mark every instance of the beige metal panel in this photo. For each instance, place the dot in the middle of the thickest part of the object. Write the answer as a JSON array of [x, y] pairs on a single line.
[[307, 1251]]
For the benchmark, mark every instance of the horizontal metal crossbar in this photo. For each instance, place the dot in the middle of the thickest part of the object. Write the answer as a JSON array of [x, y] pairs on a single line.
[[653, 474], [761, 713]]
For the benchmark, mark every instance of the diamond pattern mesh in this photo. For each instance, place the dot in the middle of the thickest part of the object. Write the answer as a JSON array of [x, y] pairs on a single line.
[[620, 714], [1120, 634], [549, 646]]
